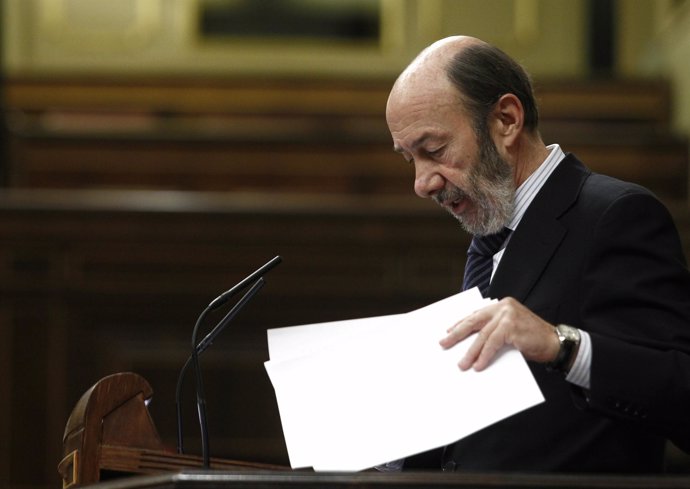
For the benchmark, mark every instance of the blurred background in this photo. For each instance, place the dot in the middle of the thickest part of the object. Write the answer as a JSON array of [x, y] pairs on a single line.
[[155, 152]]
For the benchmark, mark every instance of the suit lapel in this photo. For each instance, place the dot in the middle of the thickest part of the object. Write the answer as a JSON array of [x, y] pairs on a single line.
[[539, 233]]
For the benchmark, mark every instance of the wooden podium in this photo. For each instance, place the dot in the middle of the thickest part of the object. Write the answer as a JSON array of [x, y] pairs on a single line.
[[110, 432], [219, 479]]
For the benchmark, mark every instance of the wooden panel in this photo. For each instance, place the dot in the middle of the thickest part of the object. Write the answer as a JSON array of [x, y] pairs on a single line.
[[92, 278], [404, 480], [605, 99], [297, 135], [300, 168], [6, 377], [195, 96], [95, 283], [217, 165], [558, 99]]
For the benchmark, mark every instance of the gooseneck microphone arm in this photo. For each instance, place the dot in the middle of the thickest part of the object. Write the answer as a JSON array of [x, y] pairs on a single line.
[[203, 345], [197, 348], [200, 396], [209, 338]]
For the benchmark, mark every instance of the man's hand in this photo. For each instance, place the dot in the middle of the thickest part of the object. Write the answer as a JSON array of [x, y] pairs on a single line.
[[505, 323]]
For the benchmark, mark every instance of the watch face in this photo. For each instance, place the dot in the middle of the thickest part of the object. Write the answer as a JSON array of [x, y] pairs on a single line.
[[569, 339], [569, 333]]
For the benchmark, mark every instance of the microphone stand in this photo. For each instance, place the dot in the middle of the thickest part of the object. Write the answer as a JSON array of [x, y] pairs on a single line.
[[200, 399], [255, 277], [201, 347]]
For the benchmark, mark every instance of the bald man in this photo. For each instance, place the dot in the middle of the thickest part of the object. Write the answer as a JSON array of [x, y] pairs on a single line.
[[593, 286]]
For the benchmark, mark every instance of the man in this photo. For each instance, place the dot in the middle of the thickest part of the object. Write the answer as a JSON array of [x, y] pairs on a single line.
[[592, 281]]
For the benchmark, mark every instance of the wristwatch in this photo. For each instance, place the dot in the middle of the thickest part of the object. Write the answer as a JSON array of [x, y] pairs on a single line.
[[569, 340]]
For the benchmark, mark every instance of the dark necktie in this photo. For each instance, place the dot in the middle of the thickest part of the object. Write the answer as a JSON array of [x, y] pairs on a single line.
[[480, 260]]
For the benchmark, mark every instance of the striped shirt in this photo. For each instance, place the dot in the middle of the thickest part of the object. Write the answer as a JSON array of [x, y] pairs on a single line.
[[524, 195]]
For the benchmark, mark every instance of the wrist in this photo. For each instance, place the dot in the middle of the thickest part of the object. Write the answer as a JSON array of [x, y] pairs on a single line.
[[569, 344]]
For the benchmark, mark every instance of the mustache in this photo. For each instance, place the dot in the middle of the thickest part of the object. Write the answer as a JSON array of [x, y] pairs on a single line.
[[450, 194]]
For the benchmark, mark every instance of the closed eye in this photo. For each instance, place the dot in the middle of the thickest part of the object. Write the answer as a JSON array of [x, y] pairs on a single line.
[[436, 152]]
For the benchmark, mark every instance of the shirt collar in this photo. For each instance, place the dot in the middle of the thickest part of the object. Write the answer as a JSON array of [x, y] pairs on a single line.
[[525, 193]]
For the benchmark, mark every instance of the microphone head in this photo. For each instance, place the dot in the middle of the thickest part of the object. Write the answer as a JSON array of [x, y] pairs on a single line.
[[223, 298]]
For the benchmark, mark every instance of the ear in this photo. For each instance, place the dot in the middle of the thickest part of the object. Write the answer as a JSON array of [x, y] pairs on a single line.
[[507, 121]]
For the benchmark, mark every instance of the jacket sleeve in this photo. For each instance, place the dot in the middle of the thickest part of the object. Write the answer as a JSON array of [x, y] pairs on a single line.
[[636, 307]]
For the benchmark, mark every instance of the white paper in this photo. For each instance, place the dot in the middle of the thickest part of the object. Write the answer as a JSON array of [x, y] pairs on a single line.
[[359, 393]]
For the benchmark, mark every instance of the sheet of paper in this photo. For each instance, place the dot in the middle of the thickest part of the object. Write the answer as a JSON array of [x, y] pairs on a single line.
[[354, 394]]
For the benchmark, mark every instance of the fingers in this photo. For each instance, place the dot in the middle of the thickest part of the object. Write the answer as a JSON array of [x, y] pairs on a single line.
[[462, 329], [505, 323], [485, 345], [484, 348]]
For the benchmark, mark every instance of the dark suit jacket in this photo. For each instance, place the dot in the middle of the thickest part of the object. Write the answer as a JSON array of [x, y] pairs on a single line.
[[602, 255]]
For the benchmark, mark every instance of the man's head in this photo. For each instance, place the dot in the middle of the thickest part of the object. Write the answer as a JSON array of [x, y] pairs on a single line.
[[463, 112], [482, 73]]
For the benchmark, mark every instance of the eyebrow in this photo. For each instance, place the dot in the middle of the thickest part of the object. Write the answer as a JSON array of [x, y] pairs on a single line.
[[416, 143]]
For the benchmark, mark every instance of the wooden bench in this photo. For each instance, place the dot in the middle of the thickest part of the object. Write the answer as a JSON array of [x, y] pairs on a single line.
[[298, 136]]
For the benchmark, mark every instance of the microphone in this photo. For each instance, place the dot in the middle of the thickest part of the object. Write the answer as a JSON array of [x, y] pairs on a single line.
[[223, 298], [202, 346], [197, 348], [208, 339]]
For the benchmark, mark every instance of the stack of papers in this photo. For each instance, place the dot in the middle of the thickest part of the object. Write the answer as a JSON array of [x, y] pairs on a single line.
[[359, 393]]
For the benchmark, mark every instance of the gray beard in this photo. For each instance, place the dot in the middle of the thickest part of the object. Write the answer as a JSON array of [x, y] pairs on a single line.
[[491, 190], [491, 214]]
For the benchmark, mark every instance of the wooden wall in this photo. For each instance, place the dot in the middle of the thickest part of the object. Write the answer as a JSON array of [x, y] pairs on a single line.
[[296, 136], [130, 204], [92, 289]]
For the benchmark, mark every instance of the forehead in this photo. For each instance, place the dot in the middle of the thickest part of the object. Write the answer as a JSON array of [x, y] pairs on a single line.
[[419, 111]]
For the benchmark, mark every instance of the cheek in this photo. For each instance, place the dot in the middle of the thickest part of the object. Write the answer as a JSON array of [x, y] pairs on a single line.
[[458, 161], [456, 174]]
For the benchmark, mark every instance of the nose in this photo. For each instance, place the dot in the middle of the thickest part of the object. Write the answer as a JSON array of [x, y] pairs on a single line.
[[427, 181]]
